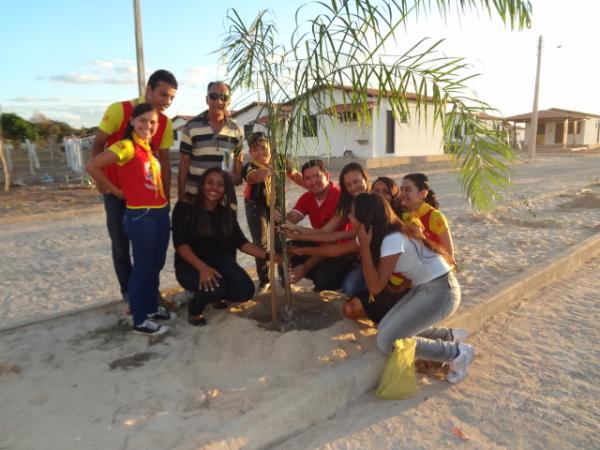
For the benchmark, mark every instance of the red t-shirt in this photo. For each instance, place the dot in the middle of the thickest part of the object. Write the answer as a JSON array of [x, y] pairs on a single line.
[[320, 214], [138, 172]]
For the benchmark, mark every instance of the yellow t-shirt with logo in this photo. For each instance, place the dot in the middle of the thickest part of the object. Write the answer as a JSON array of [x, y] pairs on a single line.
[[113, 118]]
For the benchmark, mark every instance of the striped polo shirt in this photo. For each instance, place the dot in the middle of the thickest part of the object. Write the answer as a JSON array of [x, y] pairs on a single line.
[[208, 149]]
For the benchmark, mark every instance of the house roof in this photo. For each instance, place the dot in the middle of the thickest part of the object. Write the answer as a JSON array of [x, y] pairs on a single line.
[[552, 114], [344, 107], [371, 92]]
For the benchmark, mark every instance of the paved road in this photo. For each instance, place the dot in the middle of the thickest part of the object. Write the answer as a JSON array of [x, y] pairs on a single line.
[[534, 385]]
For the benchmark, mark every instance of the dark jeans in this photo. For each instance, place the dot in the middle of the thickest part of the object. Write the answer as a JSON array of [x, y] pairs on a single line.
[[115, 209], [235, 285], [329, 274], [148, 229], [258, 223]]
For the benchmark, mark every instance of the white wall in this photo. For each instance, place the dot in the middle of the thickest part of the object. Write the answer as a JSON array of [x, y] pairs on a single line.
[[336, 137], [415, 138], [590, 132]]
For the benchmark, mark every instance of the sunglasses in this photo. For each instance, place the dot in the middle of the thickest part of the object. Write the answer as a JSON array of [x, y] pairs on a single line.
[[217, 96]]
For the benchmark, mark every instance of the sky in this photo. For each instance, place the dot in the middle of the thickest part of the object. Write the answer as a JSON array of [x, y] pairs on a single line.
[[69, 59]]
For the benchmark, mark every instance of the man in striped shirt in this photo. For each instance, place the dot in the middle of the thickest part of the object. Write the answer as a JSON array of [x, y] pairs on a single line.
[[210, 139]]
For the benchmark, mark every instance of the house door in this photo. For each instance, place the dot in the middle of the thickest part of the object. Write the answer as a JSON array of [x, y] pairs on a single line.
[[541, 132], [559, 133]]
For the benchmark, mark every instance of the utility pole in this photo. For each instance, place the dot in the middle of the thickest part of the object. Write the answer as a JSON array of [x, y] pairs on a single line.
[[534, 114], [139, 47]]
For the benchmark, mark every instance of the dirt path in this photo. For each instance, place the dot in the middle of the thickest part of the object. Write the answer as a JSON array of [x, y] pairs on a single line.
[[534, 385]]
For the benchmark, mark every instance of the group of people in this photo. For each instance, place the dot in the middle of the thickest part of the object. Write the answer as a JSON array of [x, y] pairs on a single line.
[[387, 247]]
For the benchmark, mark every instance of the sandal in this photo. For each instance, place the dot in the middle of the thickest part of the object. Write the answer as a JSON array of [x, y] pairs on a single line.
[[220, 304], [197, 321]]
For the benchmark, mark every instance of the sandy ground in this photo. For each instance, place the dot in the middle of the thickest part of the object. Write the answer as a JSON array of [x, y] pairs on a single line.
[[60, 261], [85, 381], [533, 385]]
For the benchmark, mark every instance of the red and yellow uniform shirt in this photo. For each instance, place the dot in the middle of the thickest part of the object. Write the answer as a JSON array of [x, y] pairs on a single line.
[[431, 220], [115, 121], [138, 173]]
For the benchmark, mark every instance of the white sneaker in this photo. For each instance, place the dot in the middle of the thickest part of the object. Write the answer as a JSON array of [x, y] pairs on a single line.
[[459, 335], [150, 328], [162, 314], [459, 366]]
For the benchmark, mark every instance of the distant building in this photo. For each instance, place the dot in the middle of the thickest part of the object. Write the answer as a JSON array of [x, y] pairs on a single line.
[[560, 128], [338, 132], [178, 123]]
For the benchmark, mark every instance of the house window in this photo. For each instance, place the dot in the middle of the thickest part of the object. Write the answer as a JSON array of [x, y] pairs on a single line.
[[578, 128], [458, 132], [347, 116], [541, 129], [390, 128], [309, 126], [248, 129]]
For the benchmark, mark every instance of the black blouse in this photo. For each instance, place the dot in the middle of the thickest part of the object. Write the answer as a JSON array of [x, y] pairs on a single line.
[[205, 241]]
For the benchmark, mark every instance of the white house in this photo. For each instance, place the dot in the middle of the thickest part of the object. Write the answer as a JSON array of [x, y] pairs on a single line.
[[340, 134], [560, 128], [178, 122]]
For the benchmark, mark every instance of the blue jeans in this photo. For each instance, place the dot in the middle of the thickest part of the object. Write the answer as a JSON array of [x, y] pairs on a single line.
[[235, 285], [148, 230], [115, 209], [414, 315], [354, 284]]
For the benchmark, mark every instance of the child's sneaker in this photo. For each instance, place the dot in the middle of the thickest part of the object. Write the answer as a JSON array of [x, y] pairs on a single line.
[[459, 335], [150, 328], [459, 366], [162, 314]]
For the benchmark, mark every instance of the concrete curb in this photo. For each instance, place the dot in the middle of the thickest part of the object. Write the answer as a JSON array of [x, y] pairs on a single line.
[[321, 397]]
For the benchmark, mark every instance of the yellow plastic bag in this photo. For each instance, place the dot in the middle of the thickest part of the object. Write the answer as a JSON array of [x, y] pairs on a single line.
[[398, 380]]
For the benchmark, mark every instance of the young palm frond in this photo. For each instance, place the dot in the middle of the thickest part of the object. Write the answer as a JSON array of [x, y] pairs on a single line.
[[339, 52]]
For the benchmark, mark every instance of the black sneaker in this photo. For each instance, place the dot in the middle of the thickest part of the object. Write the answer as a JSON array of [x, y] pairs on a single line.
[[162, 314], [150, 328]]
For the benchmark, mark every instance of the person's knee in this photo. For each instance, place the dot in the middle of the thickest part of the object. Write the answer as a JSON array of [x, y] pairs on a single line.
[[384, 342], [350, 311], [243, 292]]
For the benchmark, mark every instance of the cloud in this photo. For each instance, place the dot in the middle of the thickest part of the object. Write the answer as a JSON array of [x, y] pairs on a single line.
[[74, 78], [201, 75], [99, 71], [83, 78], [126, 70], [29, 99], [101, 64]]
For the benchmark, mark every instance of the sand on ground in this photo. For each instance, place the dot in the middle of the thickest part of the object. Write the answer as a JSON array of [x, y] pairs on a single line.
[[61, 261], [533, 385], [86, 381]]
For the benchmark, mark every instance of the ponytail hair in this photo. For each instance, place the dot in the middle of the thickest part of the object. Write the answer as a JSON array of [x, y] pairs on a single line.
[[421, 181]]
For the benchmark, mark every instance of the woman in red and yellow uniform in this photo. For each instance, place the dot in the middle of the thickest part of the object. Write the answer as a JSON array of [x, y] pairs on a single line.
[[421, 205], [146, 220]]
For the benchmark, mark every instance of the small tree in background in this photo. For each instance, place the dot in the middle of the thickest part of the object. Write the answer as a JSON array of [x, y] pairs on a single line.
[[15, 128], [343, 46]]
